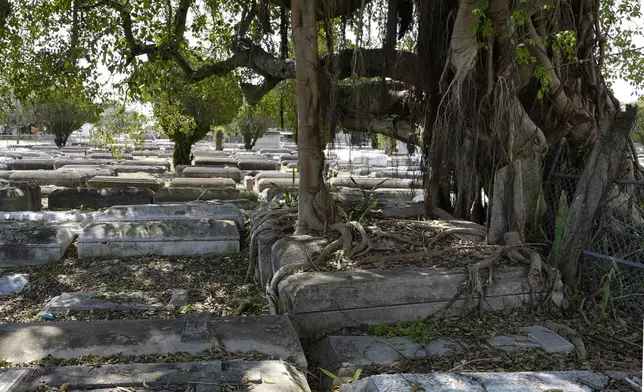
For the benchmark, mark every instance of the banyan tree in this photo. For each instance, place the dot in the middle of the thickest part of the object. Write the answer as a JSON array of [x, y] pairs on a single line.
[[488, 90]]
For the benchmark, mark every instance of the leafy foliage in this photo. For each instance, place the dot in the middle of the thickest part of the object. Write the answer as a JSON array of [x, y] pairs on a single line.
[[638, 129], [250, 125], [117, 120], [62, 113], [187, 112]]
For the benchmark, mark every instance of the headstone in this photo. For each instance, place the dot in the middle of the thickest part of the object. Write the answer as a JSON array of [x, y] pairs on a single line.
[[202, 183], [70, 179], [177, 237], [276, 183], [99, 198], [370, 183], [84, 301], [249, 183], [165, 212], [217, 162], [211, 154], [150, 162], [13, 199], [94, 170], [568, 381], [212, 172], [50, 216], [176, 195], [400, 210], [29, 243], [549, 340], [274, 151], [13, 283], [274, 174], [60, 162], [271, 139], [288, 158], [32, 164], [512, 343], [320, 302], [391, 195], [257, 164], [145, 153], [267, 335], [125, 168], [125, 182]]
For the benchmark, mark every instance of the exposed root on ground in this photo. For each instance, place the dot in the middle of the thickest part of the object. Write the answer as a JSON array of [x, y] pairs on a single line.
[[515, 251], [457, 230], [366, 244], [344, 243]]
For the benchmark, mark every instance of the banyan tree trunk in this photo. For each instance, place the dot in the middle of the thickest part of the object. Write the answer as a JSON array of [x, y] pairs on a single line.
[[182, 149], [599, 174]]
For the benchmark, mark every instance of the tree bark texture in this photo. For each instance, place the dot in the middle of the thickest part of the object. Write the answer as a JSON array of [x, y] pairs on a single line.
[[182, 150], [313, 197], [599, 175]]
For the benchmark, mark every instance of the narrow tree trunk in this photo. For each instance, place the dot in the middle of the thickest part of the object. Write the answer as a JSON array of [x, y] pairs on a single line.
[[313, 196], [283, 54], [598, 176], [60, 137], [182, 148], [219, 140]]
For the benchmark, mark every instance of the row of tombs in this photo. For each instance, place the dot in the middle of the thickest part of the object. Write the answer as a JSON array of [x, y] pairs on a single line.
[[265, 352], [315, 306]]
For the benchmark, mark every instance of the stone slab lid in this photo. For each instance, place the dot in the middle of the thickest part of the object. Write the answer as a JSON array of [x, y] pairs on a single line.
[[154, 231]]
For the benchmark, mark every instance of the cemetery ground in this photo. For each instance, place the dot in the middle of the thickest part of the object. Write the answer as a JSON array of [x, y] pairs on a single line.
[[215, 284], [402, 305]]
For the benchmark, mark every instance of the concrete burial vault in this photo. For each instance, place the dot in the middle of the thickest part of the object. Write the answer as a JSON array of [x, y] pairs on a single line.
[[192, 333], [167, 238], [31, 243], [320, 302], [177, 211]]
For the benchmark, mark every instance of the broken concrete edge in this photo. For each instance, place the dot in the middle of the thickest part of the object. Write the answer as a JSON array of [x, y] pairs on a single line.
[[54, 241], [278, 374], [569, 381], [343, 355], [194, 332], [87, 301]]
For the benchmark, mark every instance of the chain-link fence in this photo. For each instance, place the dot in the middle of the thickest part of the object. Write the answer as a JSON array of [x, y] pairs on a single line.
[[612, 266]]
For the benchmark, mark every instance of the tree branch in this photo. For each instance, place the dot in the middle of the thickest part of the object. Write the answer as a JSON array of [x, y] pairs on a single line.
[[563, 105], [329, 8], [255, 92], [180, 20]]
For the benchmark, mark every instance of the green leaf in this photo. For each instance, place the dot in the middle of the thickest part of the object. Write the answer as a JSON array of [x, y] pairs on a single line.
[[329, 374]]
